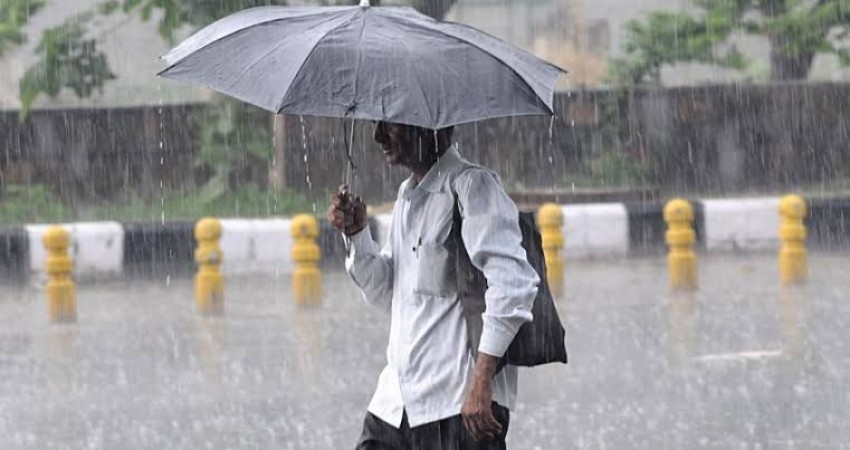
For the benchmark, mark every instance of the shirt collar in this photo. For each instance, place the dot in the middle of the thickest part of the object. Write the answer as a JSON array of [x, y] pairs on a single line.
[[433, 181]]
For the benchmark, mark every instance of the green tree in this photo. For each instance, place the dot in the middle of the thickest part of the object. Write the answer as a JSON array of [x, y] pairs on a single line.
[[232, 139], [14, 16], [797, 30], [68, 55]]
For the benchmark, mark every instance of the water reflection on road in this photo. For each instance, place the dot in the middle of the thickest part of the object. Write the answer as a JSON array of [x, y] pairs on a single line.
[[741, 363]]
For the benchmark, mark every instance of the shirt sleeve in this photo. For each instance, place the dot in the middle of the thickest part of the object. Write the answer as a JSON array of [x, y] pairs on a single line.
[[493, 240], [371, 268]]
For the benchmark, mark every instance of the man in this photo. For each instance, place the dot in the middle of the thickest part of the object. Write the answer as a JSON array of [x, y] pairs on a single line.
[[433, 393]]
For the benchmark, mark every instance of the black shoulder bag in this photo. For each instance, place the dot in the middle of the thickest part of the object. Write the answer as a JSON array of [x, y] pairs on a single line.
[[538, 342]]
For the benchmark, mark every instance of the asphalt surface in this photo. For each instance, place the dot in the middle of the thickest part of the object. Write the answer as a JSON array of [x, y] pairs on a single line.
[[740, 364]]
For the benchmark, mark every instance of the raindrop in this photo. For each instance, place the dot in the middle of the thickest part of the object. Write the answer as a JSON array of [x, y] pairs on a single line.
[[552, 152], [161, 156], [306, 160]]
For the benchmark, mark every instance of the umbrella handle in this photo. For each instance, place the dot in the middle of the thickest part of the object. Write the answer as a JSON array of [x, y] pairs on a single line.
[[350, 173]]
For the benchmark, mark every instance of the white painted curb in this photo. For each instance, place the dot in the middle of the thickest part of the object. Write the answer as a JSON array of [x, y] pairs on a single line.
[[261, 246], [97, 248], [742, 224], [595, 230]]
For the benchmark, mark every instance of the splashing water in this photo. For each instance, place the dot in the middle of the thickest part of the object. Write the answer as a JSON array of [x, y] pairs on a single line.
[[274, 162], [161, 158], [552, 151], [306, 159]]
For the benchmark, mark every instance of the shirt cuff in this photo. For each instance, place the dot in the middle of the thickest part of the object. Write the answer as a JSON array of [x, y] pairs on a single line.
[[358, 240], [495, 340]]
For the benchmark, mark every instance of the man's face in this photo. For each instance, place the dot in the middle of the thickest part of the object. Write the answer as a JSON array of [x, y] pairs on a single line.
[[398, 142]]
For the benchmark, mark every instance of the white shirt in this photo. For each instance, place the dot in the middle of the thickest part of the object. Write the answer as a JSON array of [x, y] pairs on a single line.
[[429, 362]]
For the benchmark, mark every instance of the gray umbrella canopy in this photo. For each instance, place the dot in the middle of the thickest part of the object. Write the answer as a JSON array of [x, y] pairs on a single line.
[[373, 63]]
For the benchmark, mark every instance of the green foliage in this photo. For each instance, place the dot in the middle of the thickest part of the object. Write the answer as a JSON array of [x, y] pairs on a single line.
[[14, 16], [233, 136], [248, 201], [68, 57], [21, 204], [615, 168], [30, 204], [796, 30], [231, 131], [177, 13], [665, 38]]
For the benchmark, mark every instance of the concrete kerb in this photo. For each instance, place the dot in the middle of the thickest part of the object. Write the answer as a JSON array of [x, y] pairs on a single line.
[[742, 224], [828, 223], [596, 230], [109, 249], [158, 249], [14, 253], [97, 249]]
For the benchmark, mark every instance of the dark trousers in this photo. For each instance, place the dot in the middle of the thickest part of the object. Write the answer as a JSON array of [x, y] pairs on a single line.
[[446, 434]]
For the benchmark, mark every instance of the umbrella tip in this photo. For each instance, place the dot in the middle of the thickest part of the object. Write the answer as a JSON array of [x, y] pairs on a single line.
[[364, 4]]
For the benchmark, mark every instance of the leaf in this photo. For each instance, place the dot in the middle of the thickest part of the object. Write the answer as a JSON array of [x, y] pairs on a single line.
[[843, 56], [147, 10], [67, 59], [129, 5], [214, 189], [14, 17], [108, 7]]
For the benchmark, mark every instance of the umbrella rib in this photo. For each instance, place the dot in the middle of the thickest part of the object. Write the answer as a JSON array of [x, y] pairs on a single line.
[[262, 57], [551, 98], [231, 33], [300, 69], [421, 90], [473, 44], [359, 60]]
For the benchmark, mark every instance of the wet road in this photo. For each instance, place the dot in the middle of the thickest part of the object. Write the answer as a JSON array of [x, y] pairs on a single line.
[[741, 364]]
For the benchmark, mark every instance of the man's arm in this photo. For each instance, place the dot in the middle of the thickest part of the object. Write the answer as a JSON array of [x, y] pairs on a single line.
[[477, 409], [493, 240], [369, 268]]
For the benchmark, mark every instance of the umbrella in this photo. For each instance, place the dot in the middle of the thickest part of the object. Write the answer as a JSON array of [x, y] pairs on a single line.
[[360, 62]]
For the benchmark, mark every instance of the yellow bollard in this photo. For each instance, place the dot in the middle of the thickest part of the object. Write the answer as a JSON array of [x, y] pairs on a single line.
[[61, 291], [550, 219], [792, 235], [306, 279], [680, 237], [209, 283]]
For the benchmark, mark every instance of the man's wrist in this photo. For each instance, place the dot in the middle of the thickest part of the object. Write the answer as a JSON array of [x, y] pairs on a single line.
[[354, 232], [485, 367]]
